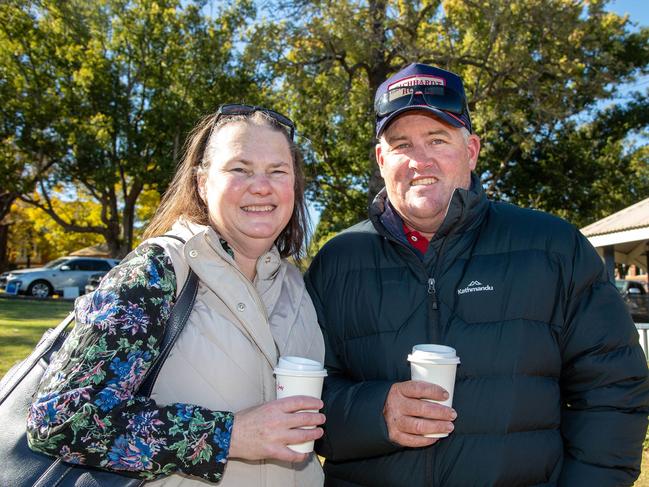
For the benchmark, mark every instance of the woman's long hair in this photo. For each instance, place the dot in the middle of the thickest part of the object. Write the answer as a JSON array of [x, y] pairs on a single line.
[[182, 198]]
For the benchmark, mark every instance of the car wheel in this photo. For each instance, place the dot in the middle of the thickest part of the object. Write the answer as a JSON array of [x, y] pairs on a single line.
[[40, 289]]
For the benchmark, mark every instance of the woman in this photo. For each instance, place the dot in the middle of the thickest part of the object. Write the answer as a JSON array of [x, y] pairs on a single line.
[[237, 200]]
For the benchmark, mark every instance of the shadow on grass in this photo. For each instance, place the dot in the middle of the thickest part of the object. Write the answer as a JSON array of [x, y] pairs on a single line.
[[19, 340], [23, 310]]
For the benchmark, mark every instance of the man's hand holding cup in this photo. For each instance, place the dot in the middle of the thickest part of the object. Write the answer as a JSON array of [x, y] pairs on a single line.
[[418, 412]]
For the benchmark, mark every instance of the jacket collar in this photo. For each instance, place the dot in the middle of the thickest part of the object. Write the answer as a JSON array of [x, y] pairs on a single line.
[[267, 264], [465, 211]]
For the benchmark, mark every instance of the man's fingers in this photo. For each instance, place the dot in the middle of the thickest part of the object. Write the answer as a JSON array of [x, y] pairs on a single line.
[[413, 441], [423, 390], [427, 409], [422, 426]]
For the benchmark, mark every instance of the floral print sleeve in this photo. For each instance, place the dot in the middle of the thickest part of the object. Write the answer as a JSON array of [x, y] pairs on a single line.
[[87, 410]]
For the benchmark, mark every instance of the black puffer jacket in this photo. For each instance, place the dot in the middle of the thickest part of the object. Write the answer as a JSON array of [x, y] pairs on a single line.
[[552, 387]]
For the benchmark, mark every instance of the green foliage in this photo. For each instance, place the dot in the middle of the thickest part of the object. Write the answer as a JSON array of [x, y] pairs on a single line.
[[113, 87], [529, 67], [584, 173], [33, 231], [98, 97]]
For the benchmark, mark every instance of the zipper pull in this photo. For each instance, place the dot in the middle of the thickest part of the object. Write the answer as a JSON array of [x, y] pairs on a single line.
[[432, 292]]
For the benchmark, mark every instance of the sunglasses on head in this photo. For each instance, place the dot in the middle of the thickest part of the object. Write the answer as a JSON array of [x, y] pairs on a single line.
[[434, 96], [231, 109]]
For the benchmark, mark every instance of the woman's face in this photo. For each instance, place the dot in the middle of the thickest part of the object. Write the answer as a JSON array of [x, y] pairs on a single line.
[[248, 187]]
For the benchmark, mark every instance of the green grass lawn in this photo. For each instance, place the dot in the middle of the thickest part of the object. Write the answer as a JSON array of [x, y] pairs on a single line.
[[22, 322]]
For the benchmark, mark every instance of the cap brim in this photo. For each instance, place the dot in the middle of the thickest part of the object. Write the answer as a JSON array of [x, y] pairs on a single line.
[[385, 121]]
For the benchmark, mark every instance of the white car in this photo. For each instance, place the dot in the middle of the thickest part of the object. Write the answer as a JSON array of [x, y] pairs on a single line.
[[56, 275]]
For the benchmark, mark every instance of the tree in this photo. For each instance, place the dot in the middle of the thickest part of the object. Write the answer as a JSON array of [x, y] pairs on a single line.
[[591, 159], [529, 66], [130, 78], [37, 237], [28, 146]]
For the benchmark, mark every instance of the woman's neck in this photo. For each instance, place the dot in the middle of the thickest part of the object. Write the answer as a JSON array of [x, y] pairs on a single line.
[[246, 252], [246, 265]]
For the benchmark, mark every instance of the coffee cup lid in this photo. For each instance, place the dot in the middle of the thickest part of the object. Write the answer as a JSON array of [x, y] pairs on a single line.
[[428, 359], [300, 366], [433, 353]]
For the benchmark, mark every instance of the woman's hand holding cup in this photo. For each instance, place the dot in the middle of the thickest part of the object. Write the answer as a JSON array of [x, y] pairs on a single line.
[[263, 432]]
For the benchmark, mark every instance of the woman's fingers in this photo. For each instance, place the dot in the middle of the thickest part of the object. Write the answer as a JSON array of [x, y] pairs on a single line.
[[304, 418], [298, 403], [265, 431]]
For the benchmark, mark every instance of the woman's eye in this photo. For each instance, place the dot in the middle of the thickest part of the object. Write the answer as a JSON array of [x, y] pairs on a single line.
[[239, 170]]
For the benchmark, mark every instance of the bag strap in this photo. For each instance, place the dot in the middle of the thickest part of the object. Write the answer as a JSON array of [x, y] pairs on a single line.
[[175, 324]]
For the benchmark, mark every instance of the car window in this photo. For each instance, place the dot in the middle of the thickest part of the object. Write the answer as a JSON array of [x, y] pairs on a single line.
[[83, 265], [619, 285], [102, 265], [55, 263]]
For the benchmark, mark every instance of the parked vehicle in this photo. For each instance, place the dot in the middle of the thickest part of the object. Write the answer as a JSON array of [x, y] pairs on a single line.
[[93, 281], [629, 287], [56, 275], [636, 298]]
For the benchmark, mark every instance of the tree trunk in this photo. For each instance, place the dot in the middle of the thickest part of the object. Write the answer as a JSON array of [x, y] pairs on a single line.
[[128, 218], [375, 182], [377, 73], [4, 255], [6, 200]]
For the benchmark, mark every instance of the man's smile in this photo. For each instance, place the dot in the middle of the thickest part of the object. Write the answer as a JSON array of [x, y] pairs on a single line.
[[423, 181]]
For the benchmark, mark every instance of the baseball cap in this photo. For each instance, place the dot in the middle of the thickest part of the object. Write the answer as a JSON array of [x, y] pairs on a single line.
[[422, 87]]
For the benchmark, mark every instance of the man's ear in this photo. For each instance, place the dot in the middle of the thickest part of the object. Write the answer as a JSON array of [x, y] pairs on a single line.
[[473, 147], [378, 152]]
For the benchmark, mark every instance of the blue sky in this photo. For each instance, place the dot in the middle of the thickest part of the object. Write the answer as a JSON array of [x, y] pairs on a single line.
[[638, 11]]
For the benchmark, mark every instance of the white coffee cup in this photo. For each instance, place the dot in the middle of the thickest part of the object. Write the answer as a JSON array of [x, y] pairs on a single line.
[[436, 364], [299, 376]]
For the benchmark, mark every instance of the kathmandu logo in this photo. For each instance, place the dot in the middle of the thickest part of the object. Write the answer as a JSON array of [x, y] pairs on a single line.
[[474, 287]]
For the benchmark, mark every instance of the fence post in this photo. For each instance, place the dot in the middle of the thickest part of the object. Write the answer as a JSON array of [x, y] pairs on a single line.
[[642, 331]]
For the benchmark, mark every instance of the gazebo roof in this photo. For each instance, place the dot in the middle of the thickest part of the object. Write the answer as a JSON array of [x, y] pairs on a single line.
[[630, 218], [627, 231]]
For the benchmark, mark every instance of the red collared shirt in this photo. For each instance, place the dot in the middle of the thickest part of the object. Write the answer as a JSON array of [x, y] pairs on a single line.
[[416, 239]]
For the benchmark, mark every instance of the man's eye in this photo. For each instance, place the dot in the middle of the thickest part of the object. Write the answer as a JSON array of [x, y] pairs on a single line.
[[438, 141]]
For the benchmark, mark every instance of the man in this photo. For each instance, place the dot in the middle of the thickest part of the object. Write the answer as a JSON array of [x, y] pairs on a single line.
[[552, 386]]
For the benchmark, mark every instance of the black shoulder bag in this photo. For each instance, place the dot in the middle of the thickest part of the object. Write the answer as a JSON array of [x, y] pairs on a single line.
[[19, 465]]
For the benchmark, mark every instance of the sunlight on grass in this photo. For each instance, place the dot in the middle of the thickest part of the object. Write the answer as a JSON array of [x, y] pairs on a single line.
[[22, 322]]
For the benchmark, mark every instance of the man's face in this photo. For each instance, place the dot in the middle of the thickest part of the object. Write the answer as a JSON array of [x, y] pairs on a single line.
[[422, 161]]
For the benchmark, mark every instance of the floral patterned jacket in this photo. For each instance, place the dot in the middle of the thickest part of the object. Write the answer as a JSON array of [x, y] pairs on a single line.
[[87, 410]]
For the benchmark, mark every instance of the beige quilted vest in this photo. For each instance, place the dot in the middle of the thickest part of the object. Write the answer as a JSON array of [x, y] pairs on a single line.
[[224, 358]]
